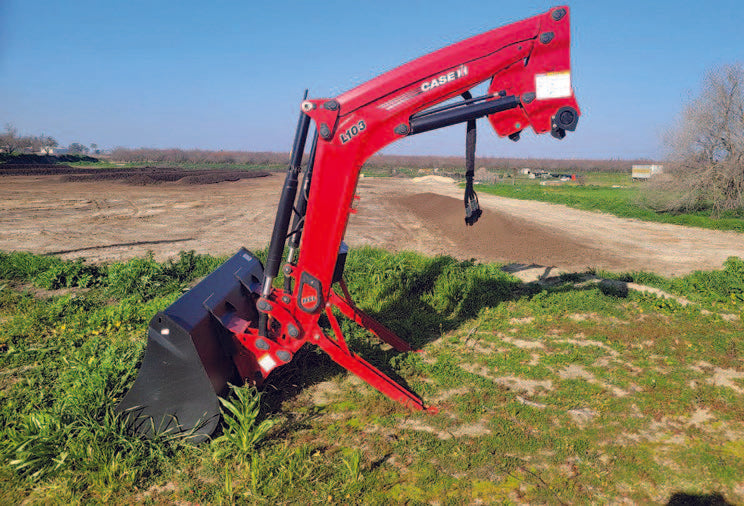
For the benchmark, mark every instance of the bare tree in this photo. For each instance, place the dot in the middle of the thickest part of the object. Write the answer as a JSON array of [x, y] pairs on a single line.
[[48, 143], [34, 143], [77, 148], [10, 141], [707, 148]]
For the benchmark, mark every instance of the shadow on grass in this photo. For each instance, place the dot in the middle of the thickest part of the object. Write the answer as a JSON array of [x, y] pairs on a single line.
[[685, 499], [418, 298]]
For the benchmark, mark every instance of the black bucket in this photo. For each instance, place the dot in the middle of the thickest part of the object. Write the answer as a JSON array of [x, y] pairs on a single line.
[[188, 359]]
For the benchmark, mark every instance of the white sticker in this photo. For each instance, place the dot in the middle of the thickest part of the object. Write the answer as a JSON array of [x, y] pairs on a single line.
[[267, 363], [553, 85]]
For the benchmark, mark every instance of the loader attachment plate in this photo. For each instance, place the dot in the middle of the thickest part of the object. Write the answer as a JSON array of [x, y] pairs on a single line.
[[188, 360]]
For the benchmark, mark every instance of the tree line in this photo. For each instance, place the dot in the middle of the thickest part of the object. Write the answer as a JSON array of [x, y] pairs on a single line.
[[11, 142], [197, 156], [278, 159]]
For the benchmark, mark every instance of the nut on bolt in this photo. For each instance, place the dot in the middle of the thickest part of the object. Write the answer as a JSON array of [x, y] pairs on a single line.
[[264, 305], [325, 132], [293, 331], [558, 14], [307, 106]]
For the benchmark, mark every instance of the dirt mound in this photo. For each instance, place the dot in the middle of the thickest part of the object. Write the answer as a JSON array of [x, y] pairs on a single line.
[[33, 159], [137, 179], [500, 237], [212, 177], [35, 169], [134, 175], [157, 175]]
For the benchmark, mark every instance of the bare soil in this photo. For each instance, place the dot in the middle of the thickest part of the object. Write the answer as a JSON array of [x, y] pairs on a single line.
[[105, 220]]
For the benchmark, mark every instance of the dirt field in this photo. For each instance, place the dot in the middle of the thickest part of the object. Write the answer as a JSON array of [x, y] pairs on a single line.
[[105, 220]]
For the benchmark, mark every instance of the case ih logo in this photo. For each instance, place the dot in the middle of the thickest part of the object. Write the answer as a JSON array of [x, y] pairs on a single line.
[[310, 299], [445, 78]]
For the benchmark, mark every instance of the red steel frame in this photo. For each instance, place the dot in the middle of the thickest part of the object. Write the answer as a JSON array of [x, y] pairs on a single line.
[[357, 124]]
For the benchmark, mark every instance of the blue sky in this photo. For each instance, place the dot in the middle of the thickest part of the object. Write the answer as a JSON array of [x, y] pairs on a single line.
[[230, 74]]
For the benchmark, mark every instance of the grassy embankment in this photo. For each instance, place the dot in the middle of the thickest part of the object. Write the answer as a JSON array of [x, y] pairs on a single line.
[[610, 193], [572, 392]]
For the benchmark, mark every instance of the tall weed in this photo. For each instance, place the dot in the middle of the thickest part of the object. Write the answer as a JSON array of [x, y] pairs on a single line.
[[144, 278], [243, 430], [48, 272], [725, 285]]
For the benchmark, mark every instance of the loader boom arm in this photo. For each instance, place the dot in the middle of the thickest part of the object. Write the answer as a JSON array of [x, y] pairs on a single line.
[[528, 64], [237, 325]]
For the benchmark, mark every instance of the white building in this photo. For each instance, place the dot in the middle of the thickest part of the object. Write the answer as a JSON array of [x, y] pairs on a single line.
[[646, 171]]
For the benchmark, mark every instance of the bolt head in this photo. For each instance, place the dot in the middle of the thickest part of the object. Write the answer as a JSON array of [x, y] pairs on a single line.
[[401, 129], [331, 105]]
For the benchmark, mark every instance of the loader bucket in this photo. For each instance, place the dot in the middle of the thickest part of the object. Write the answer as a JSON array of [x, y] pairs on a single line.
[[188, 359]]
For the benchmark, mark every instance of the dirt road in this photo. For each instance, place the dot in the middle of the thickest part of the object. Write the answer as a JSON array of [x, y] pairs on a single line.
[[105, 220]]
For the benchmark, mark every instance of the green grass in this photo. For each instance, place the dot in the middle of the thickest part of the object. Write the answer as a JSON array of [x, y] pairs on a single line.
[[609, 193], [565, 393]]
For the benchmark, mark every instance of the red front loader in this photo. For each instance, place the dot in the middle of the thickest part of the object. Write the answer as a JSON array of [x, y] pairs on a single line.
[[236, 326]]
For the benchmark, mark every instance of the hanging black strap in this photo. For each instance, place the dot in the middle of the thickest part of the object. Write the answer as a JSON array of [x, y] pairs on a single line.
[[472, 209]]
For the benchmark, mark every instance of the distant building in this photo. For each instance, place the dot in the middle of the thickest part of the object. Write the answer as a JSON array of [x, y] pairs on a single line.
[[644, 172]]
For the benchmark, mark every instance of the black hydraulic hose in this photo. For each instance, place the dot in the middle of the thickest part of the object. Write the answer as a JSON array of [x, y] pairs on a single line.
[[472, 209]]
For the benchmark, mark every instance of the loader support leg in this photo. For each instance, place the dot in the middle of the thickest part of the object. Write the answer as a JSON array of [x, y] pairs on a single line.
[[349, 309], [367, 372]]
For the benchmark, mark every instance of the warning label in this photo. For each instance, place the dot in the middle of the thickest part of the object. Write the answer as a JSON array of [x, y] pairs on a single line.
[[553, 85]]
